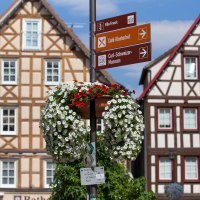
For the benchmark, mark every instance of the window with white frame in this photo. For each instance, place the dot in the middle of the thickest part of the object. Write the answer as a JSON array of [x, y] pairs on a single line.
[[190, 118], [8, 121], [9, 72], [165, 118], [49, 173], [31, 34], [100, 125], [190, 68], [52, 72], [165, 169], [8, 173], [191, 168]]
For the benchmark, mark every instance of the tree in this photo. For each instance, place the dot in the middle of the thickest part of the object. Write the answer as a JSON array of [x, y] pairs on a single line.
[[119, 184]]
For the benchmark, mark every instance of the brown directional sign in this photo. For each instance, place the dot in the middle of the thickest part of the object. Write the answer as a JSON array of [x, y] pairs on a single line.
[[118, 22], [123, 37], [123, 56]]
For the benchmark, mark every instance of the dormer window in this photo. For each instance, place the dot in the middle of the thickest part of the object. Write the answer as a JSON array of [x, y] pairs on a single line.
[[190, 68], [31, 34]]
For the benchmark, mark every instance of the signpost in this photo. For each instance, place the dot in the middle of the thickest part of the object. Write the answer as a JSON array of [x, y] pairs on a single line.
[[118, 22], [123, 56], [115, 38], [123, 37]]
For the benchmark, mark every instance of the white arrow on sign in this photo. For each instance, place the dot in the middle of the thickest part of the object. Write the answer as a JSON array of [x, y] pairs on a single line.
[[142, 33], [143, 52]]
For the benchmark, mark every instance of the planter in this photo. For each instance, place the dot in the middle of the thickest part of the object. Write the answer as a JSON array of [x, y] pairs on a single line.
[[100, 104]]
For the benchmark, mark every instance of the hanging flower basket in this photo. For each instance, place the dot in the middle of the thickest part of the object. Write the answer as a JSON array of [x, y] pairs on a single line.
[[65, 132]]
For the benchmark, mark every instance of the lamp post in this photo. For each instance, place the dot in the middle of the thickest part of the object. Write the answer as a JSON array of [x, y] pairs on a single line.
[[92, 188]]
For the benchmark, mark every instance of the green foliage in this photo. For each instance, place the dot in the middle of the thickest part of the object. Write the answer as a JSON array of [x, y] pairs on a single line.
[[119, 184]]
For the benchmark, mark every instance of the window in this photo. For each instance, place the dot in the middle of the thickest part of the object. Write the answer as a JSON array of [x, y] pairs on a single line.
[[8, 121], [49, 172], [8, 173], [165, 169], [52, 71], [31, 34], [165, 118], [190, 118], [191, 168], [190, 68], [9, 72], [100, 125]]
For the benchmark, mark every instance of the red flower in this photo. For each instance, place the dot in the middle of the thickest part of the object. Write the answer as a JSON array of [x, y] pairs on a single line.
[[77, 96], [97, 86], [114, 86], [105, 89], [90, 90], [124, 93], [98, 95]]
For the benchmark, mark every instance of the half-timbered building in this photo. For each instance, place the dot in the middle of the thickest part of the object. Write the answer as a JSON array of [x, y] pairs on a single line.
[[37, 51], [171, 104]]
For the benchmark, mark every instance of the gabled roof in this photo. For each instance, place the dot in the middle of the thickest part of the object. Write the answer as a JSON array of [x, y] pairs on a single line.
[[17, 3], [149, 86]]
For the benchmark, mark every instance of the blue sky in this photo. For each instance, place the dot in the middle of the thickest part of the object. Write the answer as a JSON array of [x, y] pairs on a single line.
[[169, 19]]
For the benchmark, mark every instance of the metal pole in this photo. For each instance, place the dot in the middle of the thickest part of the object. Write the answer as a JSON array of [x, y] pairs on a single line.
[[93, 188]]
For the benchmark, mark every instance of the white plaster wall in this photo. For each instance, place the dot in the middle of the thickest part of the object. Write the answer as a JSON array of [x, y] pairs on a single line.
[[175, 89], [177, 59], [191, 48], [167, 74], [25, 143], [152, 111], [163, 86], [153, 188], [161, 189], [152, 140], [197, 29], [77, 64], [25, 91], [35, 128], [177, 111], [152, 125], [161, 140], [187, 188], [25, 111], [36, 112], [196, 140], [36, 165], [25, 128], [156, 68], [186, 141], [154, 91], [177, 75], [170, 138], [191, 40], [153, 174], [153, 159], [196, 188], [178, 174]]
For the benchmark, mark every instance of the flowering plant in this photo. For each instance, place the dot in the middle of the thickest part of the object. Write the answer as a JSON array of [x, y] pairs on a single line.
[[174, 191], [64, 131]]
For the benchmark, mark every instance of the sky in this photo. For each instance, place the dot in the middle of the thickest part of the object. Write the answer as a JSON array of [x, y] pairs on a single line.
[[169, 19]]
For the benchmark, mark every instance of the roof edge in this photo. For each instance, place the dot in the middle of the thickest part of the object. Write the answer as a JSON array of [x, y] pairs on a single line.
[[169, 59]]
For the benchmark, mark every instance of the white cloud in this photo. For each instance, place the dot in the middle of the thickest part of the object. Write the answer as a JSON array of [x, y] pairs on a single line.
[[82, 6], [166, 34]]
